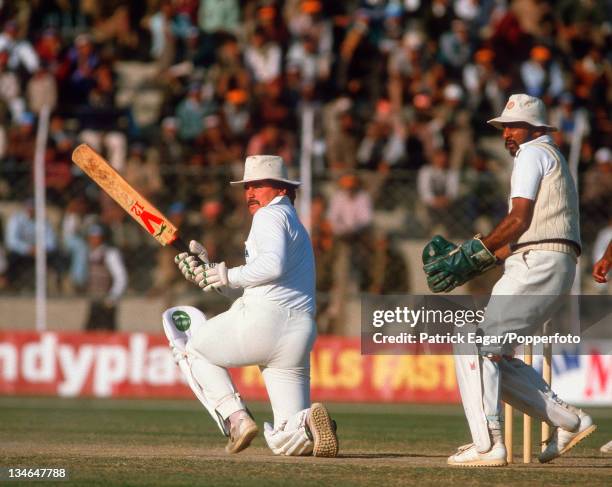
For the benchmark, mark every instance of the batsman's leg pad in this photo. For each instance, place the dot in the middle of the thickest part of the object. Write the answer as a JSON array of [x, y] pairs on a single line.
[[469, 379], [179, 323], [524, 389], [290, 437]]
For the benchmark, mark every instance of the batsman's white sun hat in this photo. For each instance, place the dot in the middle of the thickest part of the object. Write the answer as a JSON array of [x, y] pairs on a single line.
[[523, 108], [258, 168]]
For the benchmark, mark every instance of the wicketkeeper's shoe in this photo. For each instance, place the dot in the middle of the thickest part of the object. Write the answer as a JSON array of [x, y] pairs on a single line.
[[563, 441], [607, 448], [469, 456], [241, 434], [322, 429]]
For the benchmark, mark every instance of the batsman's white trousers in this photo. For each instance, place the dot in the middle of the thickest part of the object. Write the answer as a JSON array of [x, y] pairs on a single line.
[[255, 332]]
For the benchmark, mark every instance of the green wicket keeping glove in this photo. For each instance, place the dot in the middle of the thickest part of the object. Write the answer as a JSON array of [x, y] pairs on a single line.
[[458, 266]]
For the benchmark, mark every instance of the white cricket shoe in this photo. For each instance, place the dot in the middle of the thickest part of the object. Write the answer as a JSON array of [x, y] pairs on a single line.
[[241, 434], [323, 431], [607, 448], [562, 440], [469, 456]]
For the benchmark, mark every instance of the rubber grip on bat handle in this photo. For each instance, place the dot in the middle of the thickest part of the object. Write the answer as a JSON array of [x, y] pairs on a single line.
[[180, 245]]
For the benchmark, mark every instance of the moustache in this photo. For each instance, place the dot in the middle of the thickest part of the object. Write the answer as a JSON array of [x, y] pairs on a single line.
[[253, 202]]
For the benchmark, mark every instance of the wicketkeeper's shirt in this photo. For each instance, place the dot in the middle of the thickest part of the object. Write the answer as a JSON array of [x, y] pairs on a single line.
[[542, 175], [280, 263]]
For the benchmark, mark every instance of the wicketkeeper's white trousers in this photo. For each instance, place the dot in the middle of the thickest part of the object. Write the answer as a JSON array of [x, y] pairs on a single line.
[[533, 286], [256, 332]]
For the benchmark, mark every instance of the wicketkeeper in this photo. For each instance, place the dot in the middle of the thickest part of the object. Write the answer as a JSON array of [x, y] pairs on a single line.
[[270, 324], [539, 244]]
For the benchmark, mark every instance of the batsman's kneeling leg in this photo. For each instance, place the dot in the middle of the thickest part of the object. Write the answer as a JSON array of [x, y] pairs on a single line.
[[180, 323]]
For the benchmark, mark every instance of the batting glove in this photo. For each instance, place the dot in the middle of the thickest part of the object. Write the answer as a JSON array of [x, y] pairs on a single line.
[[188, 263], [212, 276]]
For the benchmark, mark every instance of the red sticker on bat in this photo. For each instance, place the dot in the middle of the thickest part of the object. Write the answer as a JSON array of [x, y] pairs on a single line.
[[147, 218]]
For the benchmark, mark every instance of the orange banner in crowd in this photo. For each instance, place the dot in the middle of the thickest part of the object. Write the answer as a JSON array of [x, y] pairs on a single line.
[[140, 365]]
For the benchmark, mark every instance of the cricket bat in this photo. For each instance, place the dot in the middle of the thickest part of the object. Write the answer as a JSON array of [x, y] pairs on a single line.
[[136, 205]]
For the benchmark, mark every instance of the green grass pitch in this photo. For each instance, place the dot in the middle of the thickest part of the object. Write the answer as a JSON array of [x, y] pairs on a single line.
[[154, 443]]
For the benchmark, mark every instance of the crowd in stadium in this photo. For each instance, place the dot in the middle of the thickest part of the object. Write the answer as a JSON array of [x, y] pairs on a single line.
[[175, 93]]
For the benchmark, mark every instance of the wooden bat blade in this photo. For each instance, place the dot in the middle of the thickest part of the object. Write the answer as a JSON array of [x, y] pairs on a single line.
[[136, 205]]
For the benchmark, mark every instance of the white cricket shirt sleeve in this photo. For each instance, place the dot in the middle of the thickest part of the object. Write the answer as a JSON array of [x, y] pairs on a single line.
[[268, 237], [531, 164]]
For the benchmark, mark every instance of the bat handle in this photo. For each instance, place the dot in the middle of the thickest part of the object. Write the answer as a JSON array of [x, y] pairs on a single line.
[[180, 245]]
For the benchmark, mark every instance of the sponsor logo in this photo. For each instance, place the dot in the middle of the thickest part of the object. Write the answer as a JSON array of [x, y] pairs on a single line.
[[181, 320], [510, 105], [146, 218]]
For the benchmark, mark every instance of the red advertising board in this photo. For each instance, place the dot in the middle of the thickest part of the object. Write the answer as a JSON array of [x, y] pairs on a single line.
[[140, 365]]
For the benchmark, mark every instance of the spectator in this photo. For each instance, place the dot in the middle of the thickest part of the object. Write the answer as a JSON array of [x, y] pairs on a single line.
[[541, 75], [350, 217], [106, 283], [19, 153], [407, 65], [484, 200], [596, 195], [215, 143], [58, 175], [163, 40], [20, 51], [323, 246], [20, 240], [484, 85], [342, 139], [191, 111], [219, 16], [382, 146], [236, 112], [453, 121], [438, 189], [455, 48], [271, 139], [217, 236], [142, 172], [49, 49], [229, 71], [77, 72], [75, 222], [262, 57], [567, 117], [10, 91]]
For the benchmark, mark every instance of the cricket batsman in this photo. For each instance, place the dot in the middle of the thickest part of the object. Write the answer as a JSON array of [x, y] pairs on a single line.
[[270, 324], [538, 242]]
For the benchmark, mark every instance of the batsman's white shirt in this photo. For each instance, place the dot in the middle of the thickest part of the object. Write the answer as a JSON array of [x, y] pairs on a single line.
[[279, 259]]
